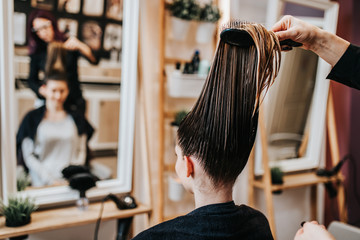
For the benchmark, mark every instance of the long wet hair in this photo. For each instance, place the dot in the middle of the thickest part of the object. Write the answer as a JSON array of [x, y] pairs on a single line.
[[35, 44], [220, 130], [55, 67]]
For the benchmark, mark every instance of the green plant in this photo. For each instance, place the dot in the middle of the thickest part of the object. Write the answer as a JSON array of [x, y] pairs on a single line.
[[210, 13], [184, 9], [277, 175], [18, 210], [22, 180], [179, 116]]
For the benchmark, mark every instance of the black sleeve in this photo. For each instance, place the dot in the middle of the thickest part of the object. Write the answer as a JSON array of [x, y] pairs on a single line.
[[33, 80], [347, 69]]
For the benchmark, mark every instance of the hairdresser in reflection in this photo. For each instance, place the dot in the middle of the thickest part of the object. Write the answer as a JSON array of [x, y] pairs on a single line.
[[51, 137], [339, 53], [42, 29]]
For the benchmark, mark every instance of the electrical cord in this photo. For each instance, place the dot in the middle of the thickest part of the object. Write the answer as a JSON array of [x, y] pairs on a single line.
[[99, 218], [126, 202]]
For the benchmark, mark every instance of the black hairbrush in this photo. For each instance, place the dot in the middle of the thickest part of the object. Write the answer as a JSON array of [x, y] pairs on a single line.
[[241, 38]]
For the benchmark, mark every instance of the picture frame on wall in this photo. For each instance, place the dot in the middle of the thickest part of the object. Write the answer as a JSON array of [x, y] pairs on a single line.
[[91, 34], [68, 26], [69, 6], [20, 30], [93, 8], [112, 41], [43, 4], [114, 9]]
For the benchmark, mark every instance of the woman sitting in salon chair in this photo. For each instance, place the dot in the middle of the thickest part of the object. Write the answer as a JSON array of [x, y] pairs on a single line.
[[52, 137], [216, 138]]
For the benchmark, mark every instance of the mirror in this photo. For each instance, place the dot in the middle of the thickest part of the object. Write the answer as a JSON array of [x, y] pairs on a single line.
[[288, 105], [295, 106], [109, 89]]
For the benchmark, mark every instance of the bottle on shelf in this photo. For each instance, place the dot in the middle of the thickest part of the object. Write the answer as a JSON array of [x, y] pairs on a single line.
[[196, 61]]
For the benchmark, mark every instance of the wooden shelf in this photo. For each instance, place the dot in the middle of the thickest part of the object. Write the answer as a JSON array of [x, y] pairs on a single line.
[[297, 180], [59, 218]]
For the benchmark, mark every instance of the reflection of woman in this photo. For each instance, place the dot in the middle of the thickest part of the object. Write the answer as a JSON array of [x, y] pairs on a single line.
[[50, 138], [42, 29], [215, 140]]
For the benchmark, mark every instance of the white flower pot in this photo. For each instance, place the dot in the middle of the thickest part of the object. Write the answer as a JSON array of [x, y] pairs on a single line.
[[185, 85], [179, 28], [205, 32]]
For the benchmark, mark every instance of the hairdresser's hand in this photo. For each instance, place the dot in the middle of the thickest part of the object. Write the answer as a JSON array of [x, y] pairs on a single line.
[[74, 44], [313, 230], [297, 30], [326, 45]]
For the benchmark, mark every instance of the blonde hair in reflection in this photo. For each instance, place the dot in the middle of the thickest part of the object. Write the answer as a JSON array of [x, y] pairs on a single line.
[[55, 67], [220, 129]]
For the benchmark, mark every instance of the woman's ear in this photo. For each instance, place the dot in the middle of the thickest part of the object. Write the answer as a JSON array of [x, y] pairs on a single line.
[[42, 90], [189, 166]]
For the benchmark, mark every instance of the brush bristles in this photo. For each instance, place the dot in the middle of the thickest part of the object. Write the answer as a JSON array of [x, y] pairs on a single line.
[[237, 24]]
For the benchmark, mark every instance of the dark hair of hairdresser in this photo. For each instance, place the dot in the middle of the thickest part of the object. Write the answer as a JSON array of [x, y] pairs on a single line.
[[55, 68], [35, 44], [220, 129]]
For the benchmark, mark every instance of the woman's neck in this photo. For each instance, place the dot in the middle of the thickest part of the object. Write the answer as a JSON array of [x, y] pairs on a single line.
[[55, 113], [207, 196]]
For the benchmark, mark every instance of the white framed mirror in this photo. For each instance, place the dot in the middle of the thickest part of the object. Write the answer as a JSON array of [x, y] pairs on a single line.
[[122, 182], [295, 106]]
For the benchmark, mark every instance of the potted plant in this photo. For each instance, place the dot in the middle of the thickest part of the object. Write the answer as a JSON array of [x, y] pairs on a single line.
[[182, 12], [277, 177], [22, 180], [209, 15], [179, 116], [18, 210]]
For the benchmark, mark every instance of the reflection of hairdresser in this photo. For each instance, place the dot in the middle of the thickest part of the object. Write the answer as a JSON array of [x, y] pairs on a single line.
[[42, 29], [50, 138], [215, 140], [339, 53]]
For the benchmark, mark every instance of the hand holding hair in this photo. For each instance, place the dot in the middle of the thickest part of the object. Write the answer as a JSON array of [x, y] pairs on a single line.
[[297, 30], [326, 45], [74, 44]]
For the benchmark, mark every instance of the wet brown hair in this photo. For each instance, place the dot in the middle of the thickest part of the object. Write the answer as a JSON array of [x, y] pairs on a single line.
[[220, 130], [55, 67]]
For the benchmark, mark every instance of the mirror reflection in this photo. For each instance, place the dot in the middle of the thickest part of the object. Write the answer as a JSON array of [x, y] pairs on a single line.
[[67, 89], [291, 98]]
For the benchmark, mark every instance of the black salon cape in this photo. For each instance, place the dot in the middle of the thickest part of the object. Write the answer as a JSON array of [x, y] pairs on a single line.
[[223, 221], [31, 121], [347, 69]]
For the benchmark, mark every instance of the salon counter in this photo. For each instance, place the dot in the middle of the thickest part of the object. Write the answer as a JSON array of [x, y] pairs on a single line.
[[60, 218]]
